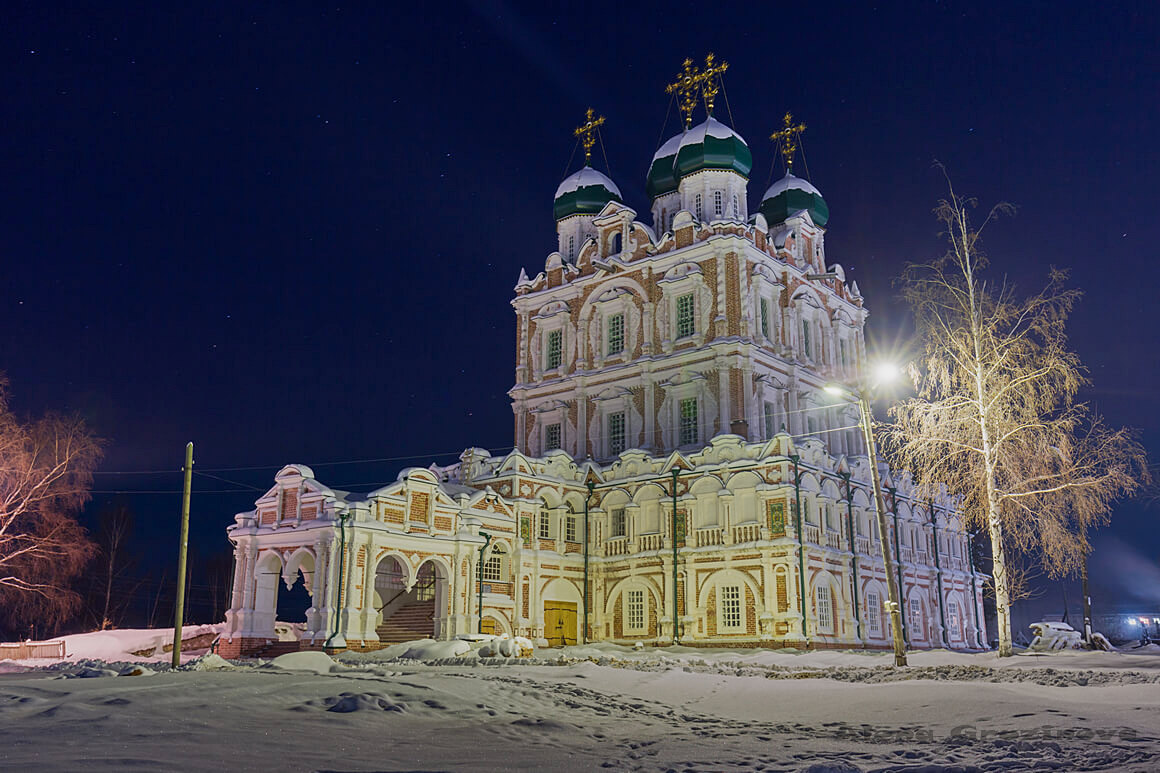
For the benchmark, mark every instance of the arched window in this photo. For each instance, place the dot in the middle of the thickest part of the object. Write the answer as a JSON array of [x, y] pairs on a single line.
[[545, 523], [615, 244], [718, 205], [493, 566], [874, 613]]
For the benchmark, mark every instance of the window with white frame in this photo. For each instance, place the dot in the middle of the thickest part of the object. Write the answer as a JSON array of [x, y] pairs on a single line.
[[770, 419], [493, 567], [953, 616], [634, 611], [545, 524], [874, 613], [916, 626], [571, 247], [553, 437], [825, 608], [729, 615], [618, 523], [718, 203], [811, 425], [616, 432], [555, 348], [615, 333], [763, 304], [688, 430], [686, 315], [698, 206], [807, 345], [736, 208], [570, 528]]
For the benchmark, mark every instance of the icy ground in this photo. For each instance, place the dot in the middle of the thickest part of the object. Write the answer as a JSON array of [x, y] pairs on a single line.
[[588, 708]]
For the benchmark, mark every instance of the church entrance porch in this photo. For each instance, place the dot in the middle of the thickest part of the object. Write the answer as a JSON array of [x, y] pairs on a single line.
[[406, 612]]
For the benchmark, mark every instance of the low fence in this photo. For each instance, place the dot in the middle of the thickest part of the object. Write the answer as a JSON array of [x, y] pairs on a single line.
[[31, 649]]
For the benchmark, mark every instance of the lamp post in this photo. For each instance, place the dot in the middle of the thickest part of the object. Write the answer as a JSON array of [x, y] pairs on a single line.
[[482, 548], [863, 398]]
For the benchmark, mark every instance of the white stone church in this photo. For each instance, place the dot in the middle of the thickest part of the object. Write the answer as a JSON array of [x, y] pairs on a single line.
[[679, 474]]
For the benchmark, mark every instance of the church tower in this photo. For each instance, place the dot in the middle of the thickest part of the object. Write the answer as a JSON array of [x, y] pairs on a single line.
[[708, 322]]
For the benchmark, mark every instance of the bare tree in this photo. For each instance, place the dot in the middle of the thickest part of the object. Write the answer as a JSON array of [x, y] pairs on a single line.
[[45, 475], [995, 417], [110, 589]]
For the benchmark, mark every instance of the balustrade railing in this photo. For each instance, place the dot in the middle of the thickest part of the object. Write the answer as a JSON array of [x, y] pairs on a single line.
[[813, 534], [617, 546], [863, 544], [708, 536], [834, 540], [647, 542], [747, 532]]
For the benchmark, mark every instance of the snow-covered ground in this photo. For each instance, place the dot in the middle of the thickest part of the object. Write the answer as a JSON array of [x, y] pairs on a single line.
[[589, 707]]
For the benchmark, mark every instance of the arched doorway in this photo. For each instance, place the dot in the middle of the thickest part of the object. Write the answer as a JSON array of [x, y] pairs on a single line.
[[409, 609], [562, 608]]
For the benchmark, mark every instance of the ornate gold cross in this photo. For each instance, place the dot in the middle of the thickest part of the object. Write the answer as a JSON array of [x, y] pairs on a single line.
[[587, 132], [686, 88], [711, 78], [788, 138]]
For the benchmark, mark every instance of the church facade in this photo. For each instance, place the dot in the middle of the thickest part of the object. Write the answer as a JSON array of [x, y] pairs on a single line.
[[679, 474]]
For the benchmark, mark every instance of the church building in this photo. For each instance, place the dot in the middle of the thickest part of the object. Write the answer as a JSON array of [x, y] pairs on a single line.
[[679, 473]]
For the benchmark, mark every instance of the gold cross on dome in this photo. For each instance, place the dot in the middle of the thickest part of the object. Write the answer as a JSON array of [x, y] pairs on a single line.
[[788, 137], [587, 134], [685, 86], [711, 78]]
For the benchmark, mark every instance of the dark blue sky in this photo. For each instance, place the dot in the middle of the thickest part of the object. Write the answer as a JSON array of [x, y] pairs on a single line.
[[289, 232]]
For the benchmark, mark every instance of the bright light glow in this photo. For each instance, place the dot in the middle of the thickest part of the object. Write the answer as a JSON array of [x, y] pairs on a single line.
[[1143, 621], [886, 372], [1131, 621], [834, 389]]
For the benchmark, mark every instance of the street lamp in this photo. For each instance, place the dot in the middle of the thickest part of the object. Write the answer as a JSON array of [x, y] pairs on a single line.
[[883, 373]]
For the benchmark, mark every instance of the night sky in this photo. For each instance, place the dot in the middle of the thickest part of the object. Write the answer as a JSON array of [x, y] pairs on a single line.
[[290, 232]]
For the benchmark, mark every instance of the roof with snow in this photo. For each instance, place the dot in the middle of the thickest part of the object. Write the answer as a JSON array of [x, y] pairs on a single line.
[[584, 192]]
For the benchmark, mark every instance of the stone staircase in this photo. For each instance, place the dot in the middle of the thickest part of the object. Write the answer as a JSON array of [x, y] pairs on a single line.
[[409, 622], [274, 649]]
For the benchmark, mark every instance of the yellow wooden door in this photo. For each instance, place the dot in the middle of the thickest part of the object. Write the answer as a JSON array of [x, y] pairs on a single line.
[[560, 623], [487, 626]]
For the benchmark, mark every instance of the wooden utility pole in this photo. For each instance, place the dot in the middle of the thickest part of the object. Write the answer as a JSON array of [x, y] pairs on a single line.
[[179, 611]]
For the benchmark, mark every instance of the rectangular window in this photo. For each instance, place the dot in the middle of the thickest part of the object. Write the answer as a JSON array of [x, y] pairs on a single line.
[[688, 428], [545, 525], [842, 351], [615, 334], [634, 614], [770, 420], [811, 426], [825, 609], [618, 522], [953, 615], [806, 348], [698, 206], [874, 613], [555, 348], [686, 324], [571, 247], [552, 437], [570, 528], [736, 209], [731, 607], [492, 568], [718, 203], [765, 317], [616, 433]]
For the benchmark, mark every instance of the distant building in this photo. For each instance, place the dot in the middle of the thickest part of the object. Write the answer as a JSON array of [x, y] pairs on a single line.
[[678, 471]]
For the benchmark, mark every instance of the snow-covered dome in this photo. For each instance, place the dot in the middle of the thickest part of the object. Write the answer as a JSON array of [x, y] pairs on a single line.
[[662, 174], [792, 194], [712, 145], [584, 193]]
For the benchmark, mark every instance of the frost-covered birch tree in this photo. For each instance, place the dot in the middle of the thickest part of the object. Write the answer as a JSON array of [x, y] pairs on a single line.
[[45, 475], [995, 418]]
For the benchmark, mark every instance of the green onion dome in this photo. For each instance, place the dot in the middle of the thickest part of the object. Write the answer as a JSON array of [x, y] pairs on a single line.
[[662, 175], [793, 194], [713, 145], [584, 193]]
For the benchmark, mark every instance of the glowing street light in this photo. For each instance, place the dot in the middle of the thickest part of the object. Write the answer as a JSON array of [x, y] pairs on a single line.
[[884, 373]]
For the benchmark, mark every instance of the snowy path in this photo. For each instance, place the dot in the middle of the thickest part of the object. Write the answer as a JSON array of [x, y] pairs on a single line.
[[580, 716]]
